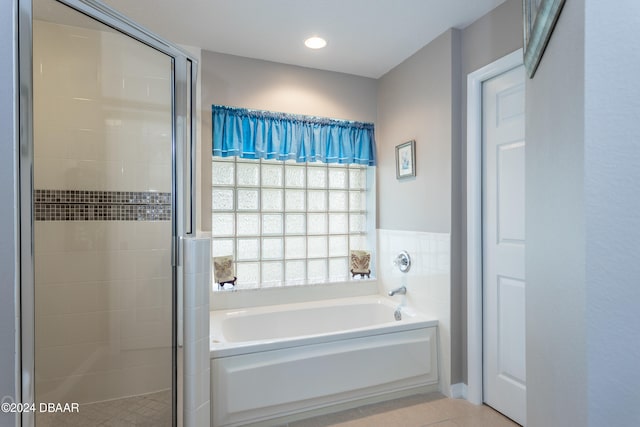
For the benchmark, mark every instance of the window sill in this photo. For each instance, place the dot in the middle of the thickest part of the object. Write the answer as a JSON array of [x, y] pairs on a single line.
[[241, 298]]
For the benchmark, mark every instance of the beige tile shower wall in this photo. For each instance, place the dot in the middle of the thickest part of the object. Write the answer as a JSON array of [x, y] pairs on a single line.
[[103, 309], [102, 106], [103, 288], [427, 283]]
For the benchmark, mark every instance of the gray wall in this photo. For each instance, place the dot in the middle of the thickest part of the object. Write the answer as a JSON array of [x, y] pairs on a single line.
[[252, 83], [555, 228], [612, 207], [424, 98], [415, 101], [420, 99], [8, 211], [491, 37], [583, 227]]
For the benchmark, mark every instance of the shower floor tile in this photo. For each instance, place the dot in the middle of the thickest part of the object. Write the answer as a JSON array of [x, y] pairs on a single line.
[[149, 410]]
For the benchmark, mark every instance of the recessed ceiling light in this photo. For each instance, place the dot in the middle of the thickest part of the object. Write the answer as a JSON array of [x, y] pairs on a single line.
[[315, 42]]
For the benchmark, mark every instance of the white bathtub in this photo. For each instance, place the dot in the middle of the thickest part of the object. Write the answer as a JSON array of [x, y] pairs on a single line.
[[271, 362]]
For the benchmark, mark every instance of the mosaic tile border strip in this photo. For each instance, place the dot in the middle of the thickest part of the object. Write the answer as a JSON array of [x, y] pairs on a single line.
[[80, 205]]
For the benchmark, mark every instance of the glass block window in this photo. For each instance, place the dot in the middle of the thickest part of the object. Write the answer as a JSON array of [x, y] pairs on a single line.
[[288, 223]]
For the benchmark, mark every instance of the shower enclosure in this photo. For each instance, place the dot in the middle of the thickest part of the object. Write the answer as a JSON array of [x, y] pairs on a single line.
[[106, 183]]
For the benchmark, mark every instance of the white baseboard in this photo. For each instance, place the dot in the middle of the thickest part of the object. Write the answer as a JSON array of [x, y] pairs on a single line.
[[459, 391]]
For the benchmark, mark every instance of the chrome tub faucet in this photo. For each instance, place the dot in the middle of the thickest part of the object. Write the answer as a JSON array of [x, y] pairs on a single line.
[[402, 290]]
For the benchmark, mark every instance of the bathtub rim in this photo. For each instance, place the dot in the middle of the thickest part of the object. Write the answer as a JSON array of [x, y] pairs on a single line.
[[219, 348]]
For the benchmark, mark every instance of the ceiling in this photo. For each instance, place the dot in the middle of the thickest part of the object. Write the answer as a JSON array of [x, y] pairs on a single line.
[[365, 37]]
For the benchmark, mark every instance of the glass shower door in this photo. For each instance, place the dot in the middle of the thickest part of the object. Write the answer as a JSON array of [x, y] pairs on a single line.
[[103, 191]]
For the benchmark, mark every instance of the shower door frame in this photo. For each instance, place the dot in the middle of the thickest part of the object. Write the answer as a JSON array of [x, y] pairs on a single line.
[[182, 184]]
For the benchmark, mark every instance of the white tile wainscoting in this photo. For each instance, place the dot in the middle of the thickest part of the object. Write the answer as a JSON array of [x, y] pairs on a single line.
[[428, 282], [197, 277]]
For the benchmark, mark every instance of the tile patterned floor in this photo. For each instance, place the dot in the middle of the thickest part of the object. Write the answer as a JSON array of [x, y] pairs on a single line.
[[432, 410], [149, 410], [425, 410]]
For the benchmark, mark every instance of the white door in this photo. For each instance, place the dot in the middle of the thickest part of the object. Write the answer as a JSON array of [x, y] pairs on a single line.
[[504, 244]]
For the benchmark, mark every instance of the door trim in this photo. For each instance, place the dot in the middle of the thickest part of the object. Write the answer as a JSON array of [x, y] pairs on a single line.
[[474, 218]]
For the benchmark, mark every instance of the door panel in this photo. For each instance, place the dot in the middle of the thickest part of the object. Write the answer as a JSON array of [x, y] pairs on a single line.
[[504, 244], [510, 182], [510, 295], [103, 155]]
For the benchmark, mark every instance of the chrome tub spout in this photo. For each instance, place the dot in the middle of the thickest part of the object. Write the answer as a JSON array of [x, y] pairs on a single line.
[[402, 290]]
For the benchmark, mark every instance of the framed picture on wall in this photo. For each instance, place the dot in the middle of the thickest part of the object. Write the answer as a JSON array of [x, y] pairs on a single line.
[[540, 17], [406, 160]]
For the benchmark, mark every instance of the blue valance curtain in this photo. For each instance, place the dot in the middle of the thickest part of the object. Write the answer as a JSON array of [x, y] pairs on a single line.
[[254, 134]]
